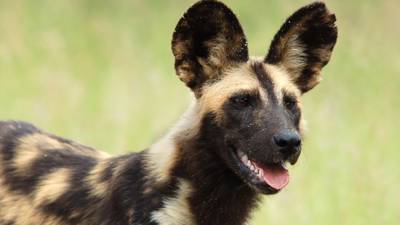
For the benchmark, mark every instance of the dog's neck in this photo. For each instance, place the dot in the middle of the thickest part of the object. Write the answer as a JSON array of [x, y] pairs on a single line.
[[210, 192]]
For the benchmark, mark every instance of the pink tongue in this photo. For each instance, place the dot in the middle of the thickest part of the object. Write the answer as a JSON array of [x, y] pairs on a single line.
[[276, 176]]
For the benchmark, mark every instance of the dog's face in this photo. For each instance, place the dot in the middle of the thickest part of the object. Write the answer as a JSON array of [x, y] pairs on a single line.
[[252, 106]]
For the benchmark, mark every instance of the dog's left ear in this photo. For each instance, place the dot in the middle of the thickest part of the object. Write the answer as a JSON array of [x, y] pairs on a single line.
[[207, 40], [304, 44]]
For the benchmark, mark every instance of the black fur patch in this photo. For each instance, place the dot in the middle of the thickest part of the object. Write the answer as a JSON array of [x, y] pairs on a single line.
[[77, 200], [6, 222], [127, 200]]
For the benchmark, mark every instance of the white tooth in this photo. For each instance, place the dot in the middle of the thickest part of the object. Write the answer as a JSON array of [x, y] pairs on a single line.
[[245, 158], [248, 163]]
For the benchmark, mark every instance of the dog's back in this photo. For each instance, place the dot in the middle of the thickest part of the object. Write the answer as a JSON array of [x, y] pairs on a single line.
[[38, 170], [48, 180]]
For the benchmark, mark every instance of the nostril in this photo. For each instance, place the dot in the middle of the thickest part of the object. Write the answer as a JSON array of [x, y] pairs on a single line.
[[287, 139], [296, 142], [281, 142]]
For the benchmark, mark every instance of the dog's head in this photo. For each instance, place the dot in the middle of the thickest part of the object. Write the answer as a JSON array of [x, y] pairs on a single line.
[[251, 106]]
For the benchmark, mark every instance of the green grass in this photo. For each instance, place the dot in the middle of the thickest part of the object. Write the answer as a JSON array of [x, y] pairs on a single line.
[[101, 73]]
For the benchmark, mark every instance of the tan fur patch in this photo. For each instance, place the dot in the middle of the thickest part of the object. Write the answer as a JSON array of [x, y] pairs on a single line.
[[293, 51], [42, 141], [31, 146], [130, 216], [184, 73], [98, 187], [176, 211], [217, 57], [52, 186], [29, 149], [236, 79], [26, 153], [19, 210], [295, 56]]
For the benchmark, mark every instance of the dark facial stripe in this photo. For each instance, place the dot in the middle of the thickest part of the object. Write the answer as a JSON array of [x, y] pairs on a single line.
[[265, 81]]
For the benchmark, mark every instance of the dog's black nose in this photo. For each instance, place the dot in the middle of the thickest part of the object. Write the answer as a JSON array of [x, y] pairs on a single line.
[[287, 141]]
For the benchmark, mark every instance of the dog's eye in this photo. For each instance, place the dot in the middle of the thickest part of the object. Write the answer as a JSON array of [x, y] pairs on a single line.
[[289, 102], [241, 101]]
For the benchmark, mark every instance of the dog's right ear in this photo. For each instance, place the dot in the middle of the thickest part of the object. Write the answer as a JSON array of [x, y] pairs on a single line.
[[207, 40]]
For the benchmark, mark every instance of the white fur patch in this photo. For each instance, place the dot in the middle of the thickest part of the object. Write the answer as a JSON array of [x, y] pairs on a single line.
[[176, 210], [162, 155]]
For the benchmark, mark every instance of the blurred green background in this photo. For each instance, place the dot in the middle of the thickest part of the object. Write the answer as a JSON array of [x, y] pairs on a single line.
[[101, 72]]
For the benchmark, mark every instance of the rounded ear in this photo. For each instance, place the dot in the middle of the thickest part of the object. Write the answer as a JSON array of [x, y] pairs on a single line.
[[207, 39], [304, 44]]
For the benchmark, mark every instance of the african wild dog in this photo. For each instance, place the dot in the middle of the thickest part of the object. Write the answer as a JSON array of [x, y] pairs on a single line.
[[231, 145]]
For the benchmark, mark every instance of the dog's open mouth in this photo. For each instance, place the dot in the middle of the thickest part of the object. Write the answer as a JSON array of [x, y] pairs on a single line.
[[268, 178]]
